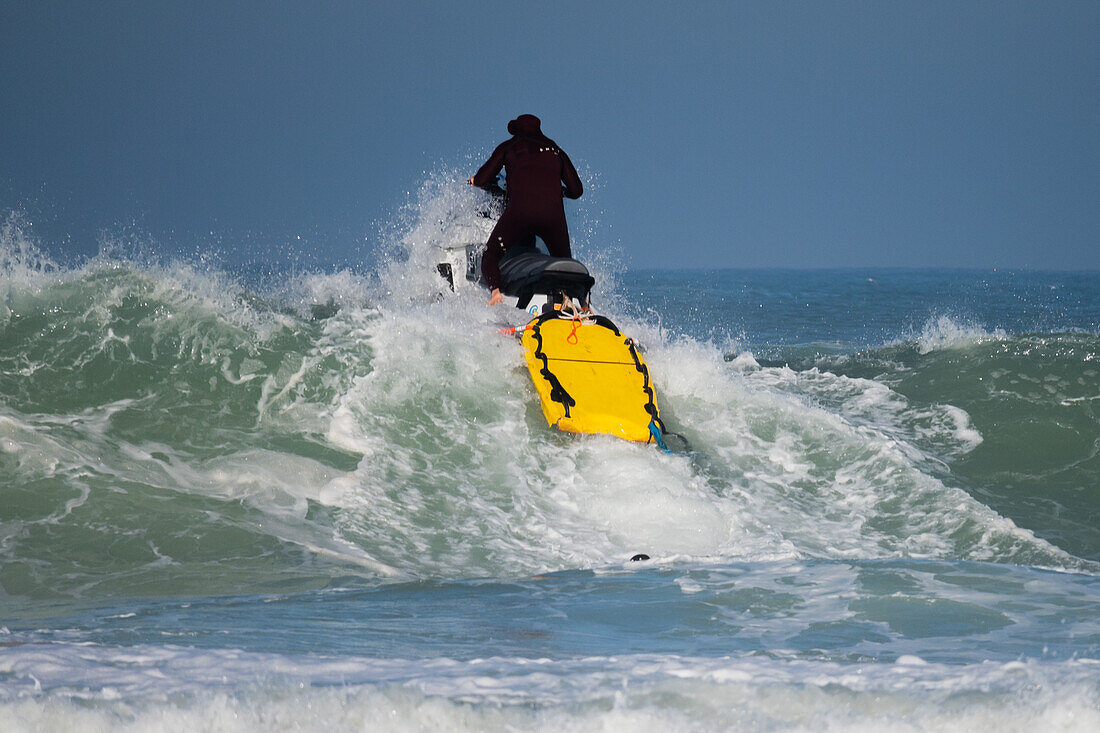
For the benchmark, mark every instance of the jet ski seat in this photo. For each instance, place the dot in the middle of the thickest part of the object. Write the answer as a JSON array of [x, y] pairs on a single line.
[[526, 272]]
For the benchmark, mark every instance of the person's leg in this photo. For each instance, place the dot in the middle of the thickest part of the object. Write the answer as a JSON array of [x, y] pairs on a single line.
[[499, 241], [555, 234], [512, 230]]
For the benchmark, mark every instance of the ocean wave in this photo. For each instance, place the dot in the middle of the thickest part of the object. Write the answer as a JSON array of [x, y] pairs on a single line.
[[161, 419]]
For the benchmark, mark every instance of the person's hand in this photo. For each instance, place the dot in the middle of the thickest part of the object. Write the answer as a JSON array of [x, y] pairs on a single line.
[[496, 297], [470, 180]]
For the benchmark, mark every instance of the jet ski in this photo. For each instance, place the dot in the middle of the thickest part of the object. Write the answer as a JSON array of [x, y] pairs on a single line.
[[590, 377]]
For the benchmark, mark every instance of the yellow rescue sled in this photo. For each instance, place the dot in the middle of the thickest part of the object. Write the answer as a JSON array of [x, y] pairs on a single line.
[[590, 377]]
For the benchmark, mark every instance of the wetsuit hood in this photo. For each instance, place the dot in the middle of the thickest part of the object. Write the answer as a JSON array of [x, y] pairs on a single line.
[[527, 125]]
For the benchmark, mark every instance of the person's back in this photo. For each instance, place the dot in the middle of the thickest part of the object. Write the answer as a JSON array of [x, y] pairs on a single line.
[[534, 175]]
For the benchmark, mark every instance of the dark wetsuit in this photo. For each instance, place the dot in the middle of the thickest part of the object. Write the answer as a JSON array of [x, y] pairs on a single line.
[[539, 174]]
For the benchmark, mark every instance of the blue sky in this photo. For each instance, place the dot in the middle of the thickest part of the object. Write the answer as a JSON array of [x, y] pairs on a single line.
[[714, 134]]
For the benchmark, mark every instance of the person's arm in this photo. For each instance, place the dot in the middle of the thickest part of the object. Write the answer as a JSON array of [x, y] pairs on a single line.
[[487, 174], [572, 187]]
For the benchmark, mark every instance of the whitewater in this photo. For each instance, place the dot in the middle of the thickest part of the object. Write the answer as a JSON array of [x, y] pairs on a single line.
[[330, 500]]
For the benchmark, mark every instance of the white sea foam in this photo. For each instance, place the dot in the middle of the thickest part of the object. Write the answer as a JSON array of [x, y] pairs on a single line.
[[924, 431], [142, 688]]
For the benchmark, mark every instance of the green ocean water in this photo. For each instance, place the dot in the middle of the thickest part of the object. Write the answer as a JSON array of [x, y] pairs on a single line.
[[331, 500]]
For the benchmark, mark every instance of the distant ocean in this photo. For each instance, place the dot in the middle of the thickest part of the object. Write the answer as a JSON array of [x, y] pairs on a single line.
[[331, 501]]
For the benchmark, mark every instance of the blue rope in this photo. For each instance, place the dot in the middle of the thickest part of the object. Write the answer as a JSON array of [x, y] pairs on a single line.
[[657, 437]]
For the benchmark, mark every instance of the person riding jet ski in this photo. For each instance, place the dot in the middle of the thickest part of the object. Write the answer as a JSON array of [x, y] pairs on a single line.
[[539, 175]]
